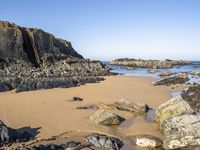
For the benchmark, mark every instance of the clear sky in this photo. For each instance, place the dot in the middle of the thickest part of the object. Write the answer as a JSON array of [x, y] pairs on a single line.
[[108, 29]]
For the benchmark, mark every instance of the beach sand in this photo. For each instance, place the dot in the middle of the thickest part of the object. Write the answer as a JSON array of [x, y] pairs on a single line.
[[52, 113]]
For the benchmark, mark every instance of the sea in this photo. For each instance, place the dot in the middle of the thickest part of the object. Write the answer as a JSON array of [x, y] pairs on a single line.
[[193, 67]]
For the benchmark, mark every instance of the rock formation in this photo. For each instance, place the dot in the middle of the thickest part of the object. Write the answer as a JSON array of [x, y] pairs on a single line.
[[32, 59], [155, 64]]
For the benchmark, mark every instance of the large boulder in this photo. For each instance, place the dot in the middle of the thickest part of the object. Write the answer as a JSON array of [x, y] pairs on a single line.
[[174, 107], [172, 80], [131, 106], [192, 96], [104, 141], [181, 131], [106, 118]]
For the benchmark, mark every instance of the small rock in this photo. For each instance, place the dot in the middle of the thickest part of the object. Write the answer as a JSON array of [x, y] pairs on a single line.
[[75, 98], [104, 141], [152, 70], [104, 117], [146, 141]]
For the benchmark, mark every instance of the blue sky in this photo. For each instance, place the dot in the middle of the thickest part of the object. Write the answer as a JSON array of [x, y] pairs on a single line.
[[109, 29]]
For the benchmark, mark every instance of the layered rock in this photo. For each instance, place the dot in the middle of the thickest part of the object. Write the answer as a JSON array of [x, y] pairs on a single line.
[[32, 59], [156, 64]]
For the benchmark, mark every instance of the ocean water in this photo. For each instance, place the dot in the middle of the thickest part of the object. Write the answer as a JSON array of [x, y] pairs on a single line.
[[193, 67]]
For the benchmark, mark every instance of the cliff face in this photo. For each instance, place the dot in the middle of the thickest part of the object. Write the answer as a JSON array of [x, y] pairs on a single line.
[[32, 59], [31, 46]]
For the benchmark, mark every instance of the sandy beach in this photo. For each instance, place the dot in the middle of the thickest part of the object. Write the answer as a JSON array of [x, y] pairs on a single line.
[[51, 112]]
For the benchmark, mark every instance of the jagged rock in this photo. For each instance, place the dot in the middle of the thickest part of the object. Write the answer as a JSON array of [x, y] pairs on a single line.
[[178, 79], [181, 131], [163, 74], [106, 118], [32, 59], [156, 64], [9, 135], [192, 96], [127, 105], [104, 141], [146, 141], [174, 107]]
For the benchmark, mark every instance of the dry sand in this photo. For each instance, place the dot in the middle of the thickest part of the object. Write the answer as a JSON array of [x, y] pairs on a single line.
[[53, 112]]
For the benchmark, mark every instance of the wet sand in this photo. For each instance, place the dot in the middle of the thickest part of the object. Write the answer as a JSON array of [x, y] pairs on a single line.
[[51, 112]]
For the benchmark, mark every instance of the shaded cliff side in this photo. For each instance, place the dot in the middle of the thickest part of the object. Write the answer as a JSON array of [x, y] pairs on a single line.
[[32, 59]]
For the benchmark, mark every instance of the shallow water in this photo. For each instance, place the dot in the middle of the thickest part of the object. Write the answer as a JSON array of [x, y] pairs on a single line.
[[194, 67]]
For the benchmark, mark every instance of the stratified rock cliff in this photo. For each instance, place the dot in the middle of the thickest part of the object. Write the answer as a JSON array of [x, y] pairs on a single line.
[[156, 64], [32, 59]]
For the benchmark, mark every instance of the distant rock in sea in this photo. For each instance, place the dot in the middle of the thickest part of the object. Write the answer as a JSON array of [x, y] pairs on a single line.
[[154, 64], [32, 59]]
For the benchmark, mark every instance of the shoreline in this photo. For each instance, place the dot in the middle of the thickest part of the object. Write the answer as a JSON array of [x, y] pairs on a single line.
[[52, 112]]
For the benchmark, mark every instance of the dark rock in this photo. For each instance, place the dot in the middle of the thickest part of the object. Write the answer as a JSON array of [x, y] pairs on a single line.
[[192, 96], [178, 79], [9, 135], [104, 141], [75, 98]]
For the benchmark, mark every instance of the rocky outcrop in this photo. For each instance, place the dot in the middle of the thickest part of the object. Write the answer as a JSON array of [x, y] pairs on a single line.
[[106, 118], [104, 141], [181, 131], [32, 59], [192, 96], [172, 80], [127, 105], [155, 64]]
